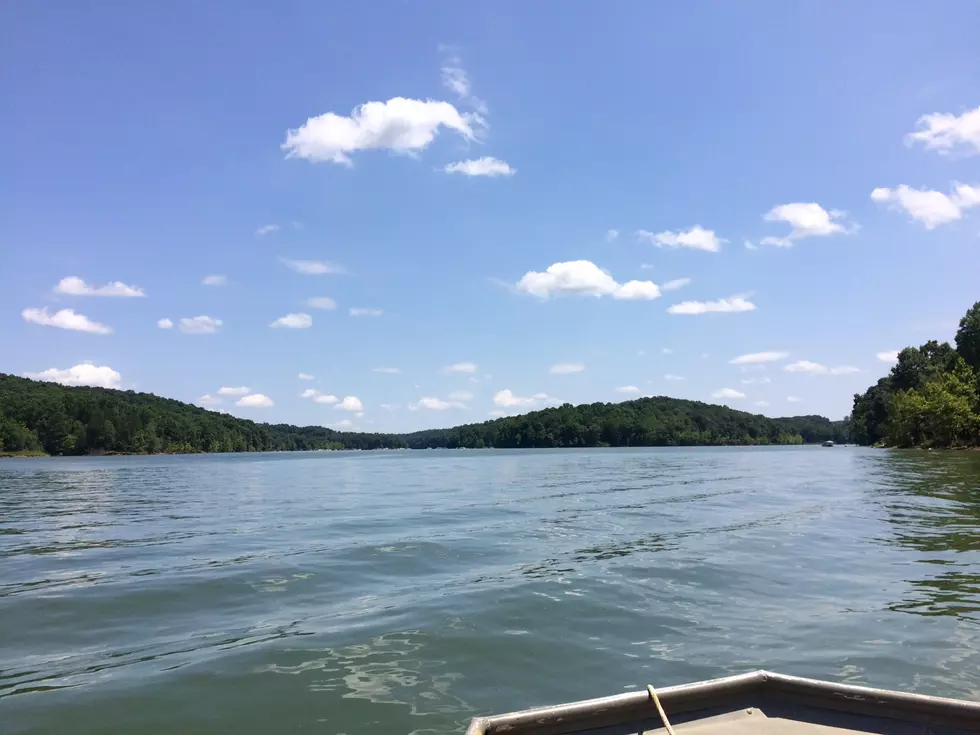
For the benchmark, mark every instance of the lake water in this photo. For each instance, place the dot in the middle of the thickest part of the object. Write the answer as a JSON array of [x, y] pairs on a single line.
[[404, 592]]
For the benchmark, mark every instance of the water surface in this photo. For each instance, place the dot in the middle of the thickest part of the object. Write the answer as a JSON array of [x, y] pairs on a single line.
[[408, 591]]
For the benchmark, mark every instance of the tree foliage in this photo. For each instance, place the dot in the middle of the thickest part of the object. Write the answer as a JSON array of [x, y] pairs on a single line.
[[39, 416], [930, 397]]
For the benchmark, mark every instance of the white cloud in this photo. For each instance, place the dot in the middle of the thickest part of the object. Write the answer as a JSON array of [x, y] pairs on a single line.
[[721, 306], [757, 358], [294, 321], [343, 424], [612, 235], [627, 389], [566, 368], [208, 400], [455, 78], [84, 374], [215, 280], [309, 393], [321, 302], [165, 323], [306, 376], [696, 238], [676, 284], [764, 380], [266, 229], [931, 208], [805, 366], [762, 404], [389, 406], [255, 400], [461, 395], [728, 393], [669, 376], [240, 390], [362, 311], [401, 125], [351, 403], [460, 367], [75, 286], [485, 166], [313, 267], [387, 370], [888, 355], [583, 278], [200, 325], [64, 319], [507, 399], [325, 398], [793, 399], [436, 404], [497, 414], [749, 245], [844, 370], [807, 219], [943, 131]]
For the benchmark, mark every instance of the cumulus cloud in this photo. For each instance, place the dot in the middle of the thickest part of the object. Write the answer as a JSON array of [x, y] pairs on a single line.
[[350, 403], [696, 238], [64, 319], [675, 284], [387, 370], [627, 389], [255, 400], [200, 325], [363, 311], [435, 404], [214, 280], [400, 125], [805, 366], [321, 302], [566, 368], [240, 390], [460, 367], [98, 376], [318, 397], [266, 229], [507, 399], [208, 400], [793, 399], [669, 376], [721, 306], [943, 131], [728, 393], [485, 166], [583, 278], [165, 323], [807, 219], [306, 376], [313, 267], [931, 208], [75, 286], [888, 355], [758, 358], [612, 235], [294, 321]]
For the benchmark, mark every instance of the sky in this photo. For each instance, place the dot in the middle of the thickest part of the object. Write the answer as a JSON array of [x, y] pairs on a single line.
[[391, 216]]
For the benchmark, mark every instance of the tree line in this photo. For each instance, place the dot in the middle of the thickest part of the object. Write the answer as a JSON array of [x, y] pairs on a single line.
[[41, 417], [931, 397]]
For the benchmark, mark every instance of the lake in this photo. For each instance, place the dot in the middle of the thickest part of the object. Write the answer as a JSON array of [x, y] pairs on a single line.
[[404, 592]]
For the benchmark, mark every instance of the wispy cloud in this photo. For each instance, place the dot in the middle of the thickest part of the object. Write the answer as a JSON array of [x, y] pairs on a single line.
[[215, 280], [612, 235], [696, 238], [944, 131], [806, 219], [931, 208], [888, 355], [566, 368], [672, 377], [728, 393], [363, 311], [675, 284], [75, 286], [306, 376], [321, 302], [165, 323], [721, 306], [627, 389], [485, 166], [431, 403], [387, 370], [461, 367], [757, 358], [266, 230], [313, 267], [507, 399], [294, 321], [200, 325]]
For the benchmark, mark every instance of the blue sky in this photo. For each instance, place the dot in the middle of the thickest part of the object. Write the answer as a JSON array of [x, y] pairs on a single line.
[[153, 145]]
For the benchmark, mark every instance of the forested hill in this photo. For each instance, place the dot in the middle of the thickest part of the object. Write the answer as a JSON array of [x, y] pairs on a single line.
[[47, 417]]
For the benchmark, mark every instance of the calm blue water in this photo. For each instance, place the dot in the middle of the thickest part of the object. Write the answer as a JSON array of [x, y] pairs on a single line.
[[408, 591]]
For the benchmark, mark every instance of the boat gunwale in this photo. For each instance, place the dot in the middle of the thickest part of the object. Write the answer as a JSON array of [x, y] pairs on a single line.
[[683, 698]]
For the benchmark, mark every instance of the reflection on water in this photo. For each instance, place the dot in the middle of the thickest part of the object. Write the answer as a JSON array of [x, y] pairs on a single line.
[[932, 501], [406, 592]]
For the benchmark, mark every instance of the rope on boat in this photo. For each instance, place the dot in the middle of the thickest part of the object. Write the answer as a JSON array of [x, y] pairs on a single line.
[[660, 709]]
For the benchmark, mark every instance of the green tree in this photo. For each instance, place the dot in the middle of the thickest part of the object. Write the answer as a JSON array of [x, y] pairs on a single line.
[[968, 337]]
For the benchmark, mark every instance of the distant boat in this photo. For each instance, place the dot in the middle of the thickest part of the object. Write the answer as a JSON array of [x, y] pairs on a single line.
[[827, 443], [760, 702]]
